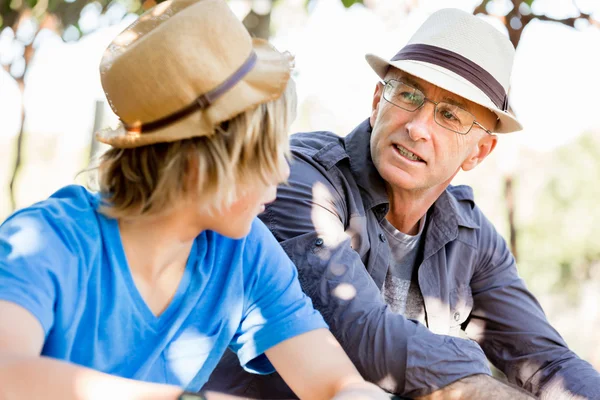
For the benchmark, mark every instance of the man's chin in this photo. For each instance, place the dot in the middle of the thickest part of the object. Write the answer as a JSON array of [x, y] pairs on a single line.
[[399, 179]]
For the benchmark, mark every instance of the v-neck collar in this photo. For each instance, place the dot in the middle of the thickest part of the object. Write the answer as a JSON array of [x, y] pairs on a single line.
[[118, 260]]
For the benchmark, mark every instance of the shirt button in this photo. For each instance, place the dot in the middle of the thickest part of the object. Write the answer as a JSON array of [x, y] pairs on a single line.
[[457, 316], [382, 237], [319, 242]]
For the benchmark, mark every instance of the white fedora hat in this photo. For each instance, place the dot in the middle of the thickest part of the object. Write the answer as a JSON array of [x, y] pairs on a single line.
[[182, 68], [463, 54]]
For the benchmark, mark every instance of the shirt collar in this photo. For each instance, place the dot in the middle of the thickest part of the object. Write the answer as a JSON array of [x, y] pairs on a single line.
[[358, 147], [454, 208], [451, 210]]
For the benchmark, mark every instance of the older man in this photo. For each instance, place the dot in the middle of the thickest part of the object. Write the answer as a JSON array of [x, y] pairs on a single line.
[[400, 263]]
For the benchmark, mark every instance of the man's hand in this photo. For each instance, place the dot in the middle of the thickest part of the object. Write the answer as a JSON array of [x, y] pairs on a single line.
[[478, 387]]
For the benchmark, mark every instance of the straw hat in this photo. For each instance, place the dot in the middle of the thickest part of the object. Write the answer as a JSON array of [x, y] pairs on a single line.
[[463, 54], [183, 67]]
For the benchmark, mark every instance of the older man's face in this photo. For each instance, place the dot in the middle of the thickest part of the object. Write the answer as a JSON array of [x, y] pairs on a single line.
[[412, 152]]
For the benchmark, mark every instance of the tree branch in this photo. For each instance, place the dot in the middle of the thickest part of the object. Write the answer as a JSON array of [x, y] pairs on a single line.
[[481, 8], [525, 19], [567, 21], [583, 15]]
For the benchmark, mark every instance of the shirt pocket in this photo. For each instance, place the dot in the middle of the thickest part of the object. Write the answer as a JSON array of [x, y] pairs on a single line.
[[186, 355], [461, 305]]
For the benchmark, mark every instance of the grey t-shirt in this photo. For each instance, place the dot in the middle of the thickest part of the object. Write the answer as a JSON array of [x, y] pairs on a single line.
[[401, 286]]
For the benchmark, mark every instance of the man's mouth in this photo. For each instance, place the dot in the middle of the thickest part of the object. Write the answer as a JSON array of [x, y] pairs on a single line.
[[408, 154]]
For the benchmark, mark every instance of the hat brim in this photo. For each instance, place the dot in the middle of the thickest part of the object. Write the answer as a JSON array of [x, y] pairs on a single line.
[[265, 82], [449, 81]]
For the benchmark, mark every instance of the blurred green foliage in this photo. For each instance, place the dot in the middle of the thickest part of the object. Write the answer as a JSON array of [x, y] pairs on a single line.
[[349, 3], [559, 239], [66, 12]]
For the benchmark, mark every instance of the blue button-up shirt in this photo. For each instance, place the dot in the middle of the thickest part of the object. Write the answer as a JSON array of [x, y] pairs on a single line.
[[328, 221]]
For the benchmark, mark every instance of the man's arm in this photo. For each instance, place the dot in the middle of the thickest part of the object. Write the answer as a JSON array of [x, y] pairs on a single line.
[[510, 325], [400, 355], [478, 387], [24, 374]]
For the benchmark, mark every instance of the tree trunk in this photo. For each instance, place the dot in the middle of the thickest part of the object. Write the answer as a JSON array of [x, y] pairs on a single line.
[[258, 25], [49, 23], [98, 119], [18, 149], [509, 198], [514, 34]]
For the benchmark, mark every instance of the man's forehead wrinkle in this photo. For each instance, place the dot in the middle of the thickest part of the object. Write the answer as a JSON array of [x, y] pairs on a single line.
[[457, 101], [411, 80]]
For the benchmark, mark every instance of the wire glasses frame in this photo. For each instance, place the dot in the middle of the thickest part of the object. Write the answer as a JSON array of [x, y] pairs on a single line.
[[446, 115]]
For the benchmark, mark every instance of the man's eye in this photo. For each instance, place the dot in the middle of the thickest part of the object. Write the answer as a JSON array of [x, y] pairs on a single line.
[[410, 97], [448, 115]]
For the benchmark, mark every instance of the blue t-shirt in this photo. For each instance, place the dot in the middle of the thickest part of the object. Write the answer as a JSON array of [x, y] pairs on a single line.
[[64, 262]]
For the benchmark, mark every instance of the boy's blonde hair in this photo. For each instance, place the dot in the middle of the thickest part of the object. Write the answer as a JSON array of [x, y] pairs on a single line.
[[246, 149]]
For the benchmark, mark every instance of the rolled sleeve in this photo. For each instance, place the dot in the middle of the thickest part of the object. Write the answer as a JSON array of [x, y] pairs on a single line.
[[31, 255]]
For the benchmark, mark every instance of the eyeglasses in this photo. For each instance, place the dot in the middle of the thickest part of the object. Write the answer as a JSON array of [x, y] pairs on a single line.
[[446, 115]]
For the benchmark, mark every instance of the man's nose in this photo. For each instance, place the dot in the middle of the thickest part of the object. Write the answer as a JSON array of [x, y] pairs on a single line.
[[422, 122]]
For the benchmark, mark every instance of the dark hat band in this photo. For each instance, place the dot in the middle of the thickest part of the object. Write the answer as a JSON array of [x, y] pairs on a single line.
[[459, 65], [201, 102]]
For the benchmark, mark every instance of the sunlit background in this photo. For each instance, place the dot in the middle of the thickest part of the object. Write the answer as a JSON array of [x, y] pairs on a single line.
[[540, 187]]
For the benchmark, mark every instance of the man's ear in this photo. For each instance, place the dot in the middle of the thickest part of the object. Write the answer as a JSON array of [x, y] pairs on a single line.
[[375, 103], [484, 147]]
